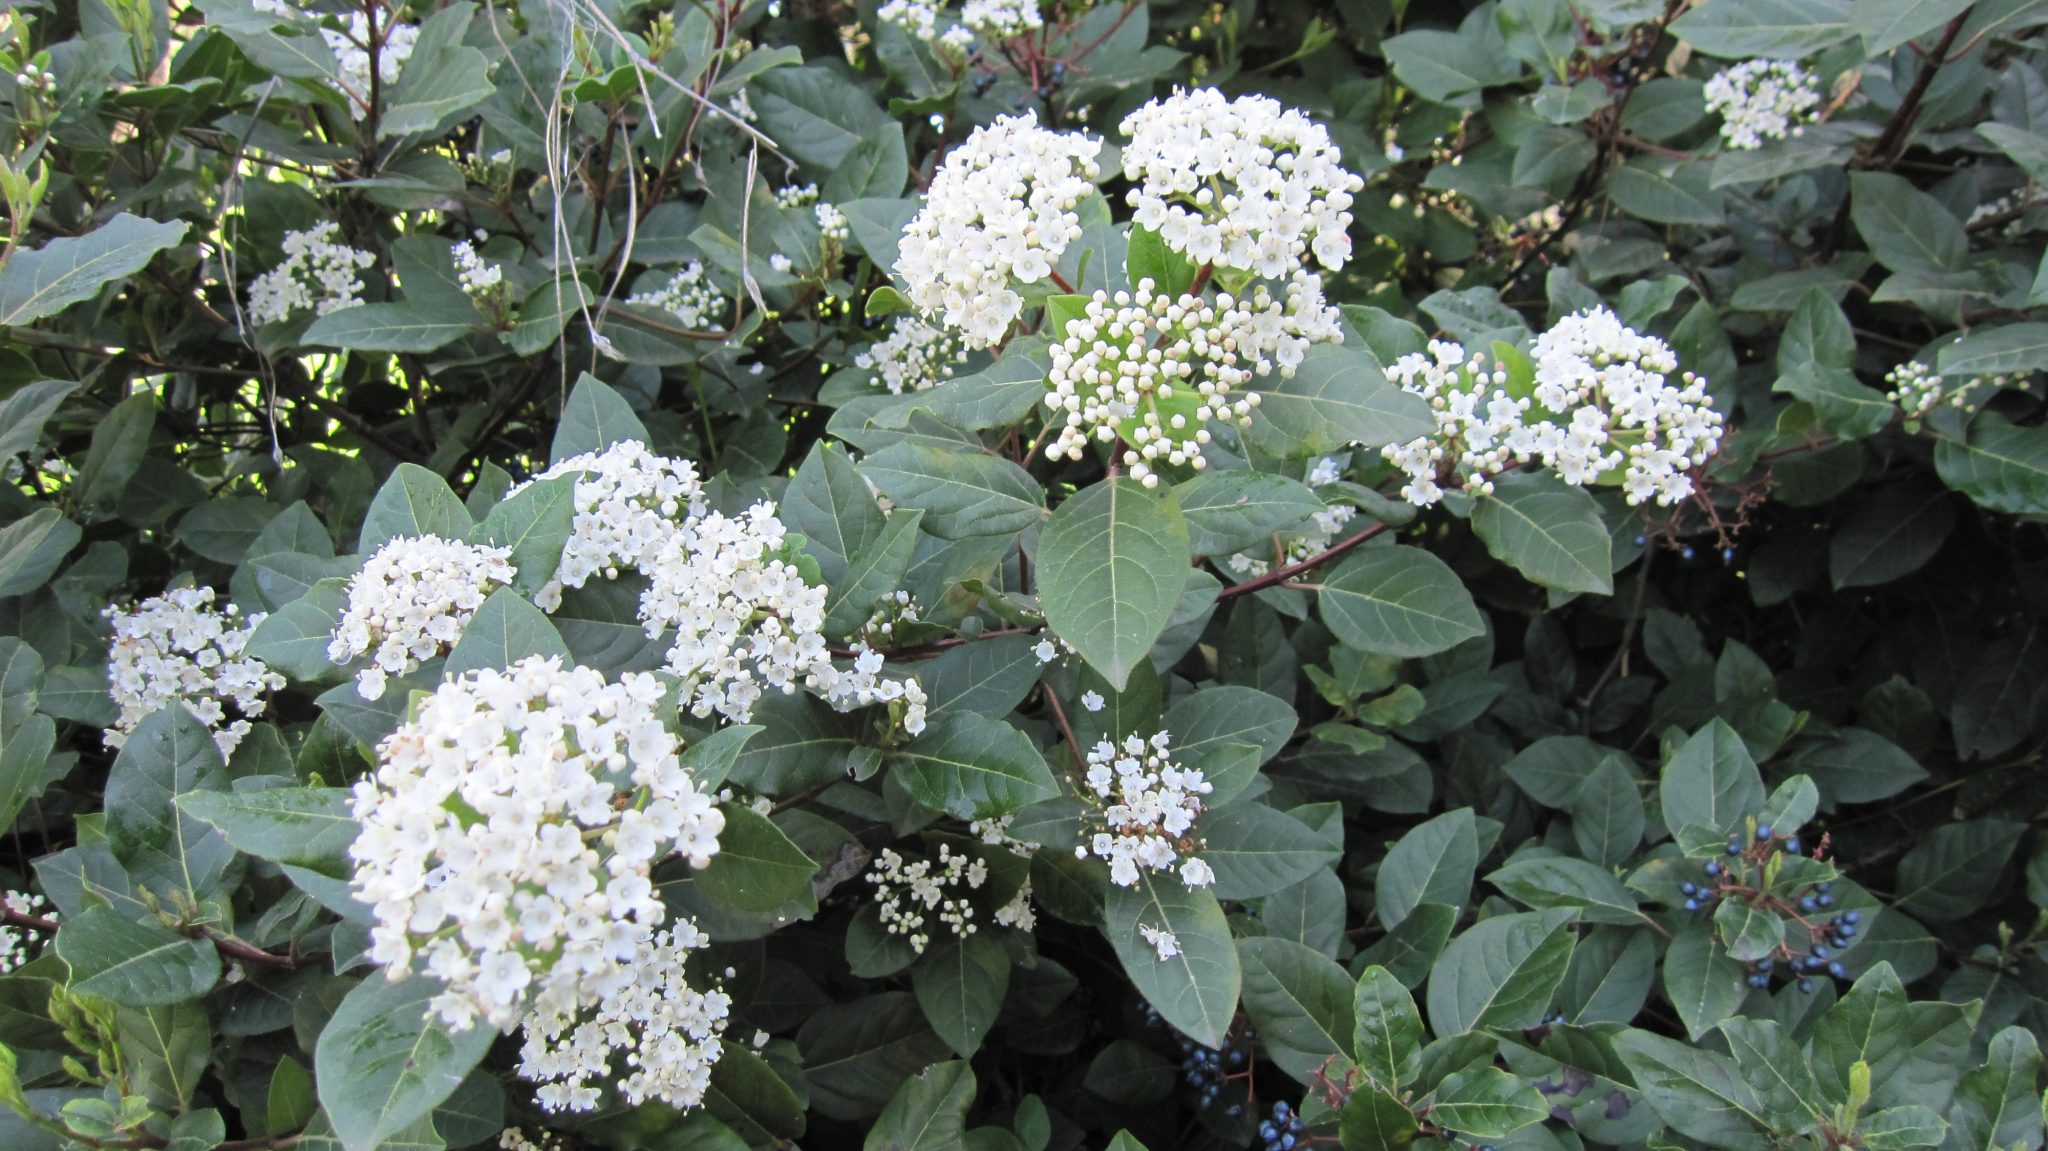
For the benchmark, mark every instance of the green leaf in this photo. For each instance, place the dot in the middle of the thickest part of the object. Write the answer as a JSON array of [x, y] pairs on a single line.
[[1127, 1071], [1257, 851], [1337, 397], [989, 677], [1886, 24], [1787, 29], [1111, 566], [595, 418], [1954, 871], [962, 494], [415, 326], [1547, 530], [831, 505], [25, 748], [1992, 351], [26, 409], [960, 983], [434, 87], [929, 1113], [1898, 1128], [382, 1064], [1399, 601], [1917, 1052], [1748, 932], [973, 767], [1301, 1003], [1561, 881], [294, 638], [305, 826], [1195, 990], [169, 754], [1774, 1065], [1487, 1103], [413, 502], [1386, 1039], [2002, 466], [1700, 980], [32, 547], [1906, 229], [1890, 533], [505, 629], [1451, 67], [1607, 815], [875, 572], [69, 269], [1666, 193], [1711, 781], [1214, 717], [1998, 1105], [757, 868], [134, 964], [1501, 973], [1432, 863], [1228, 512], [1696, 1091], [1372, 1120], [535, 522], [120, 442]]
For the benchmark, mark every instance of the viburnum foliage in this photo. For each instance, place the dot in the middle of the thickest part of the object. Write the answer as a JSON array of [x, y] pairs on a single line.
[[1028, 575]]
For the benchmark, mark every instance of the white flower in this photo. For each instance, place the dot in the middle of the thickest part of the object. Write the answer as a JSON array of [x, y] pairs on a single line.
[[177, 647], [780, 263], [1918, 390], [1158, 370], [508, 835], [742, 107], [832, 222], [687, 296], [1018, 914], [317, 273], [796, 195], [913, 356], [920, 18], [1762, 99], [1150, 804], [411, 602], [629, 502], [352, 58], [15, 941], [1162, 941], [1000, 209], [1242, 183], [1001, 19], [907, 890], [1092, 700], [480, 281], [1599, 409]]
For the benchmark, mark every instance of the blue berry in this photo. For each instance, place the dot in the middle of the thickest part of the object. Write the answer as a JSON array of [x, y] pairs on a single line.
[[1763, 832], [1764, 964], [1692, 905], [1641, 540], [1688, 553], [1820, 951], [1806, 985], [1792, 846], [1824, 888], [1806, 903], [1727, 556], [1852, 917], [1689, 888], [1825, 900], [1713, 868], [1837, 970]]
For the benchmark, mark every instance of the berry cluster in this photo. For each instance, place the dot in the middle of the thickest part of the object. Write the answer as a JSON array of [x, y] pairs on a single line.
[[1746, 872], [1207, 1069], [1284, 1130]]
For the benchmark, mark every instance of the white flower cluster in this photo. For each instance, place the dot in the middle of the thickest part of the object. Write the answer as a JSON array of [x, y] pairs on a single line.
[[864, 684], [1157, 369], [832, 222], [1917, 390], [629, 502], [35, 79], [668, 1030], [1001, 19], [908, 890], [515, 1139], [177, 647], [1000, 208], [745, 620], [508, 835], [1762, 99], [892, 609], [352, 57], [913, 356], [1152, 804], [1018, 914], [411, 601], [1601, 405], [1244, 183], [1162, 941], [15, 940], [920, 18], [317, 273], [480, 280], [688, 296], [796, 195]]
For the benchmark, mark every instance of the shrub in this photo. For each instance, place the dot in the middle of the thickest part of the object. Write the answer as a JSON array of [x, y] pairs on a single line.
[[1032, 576]]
